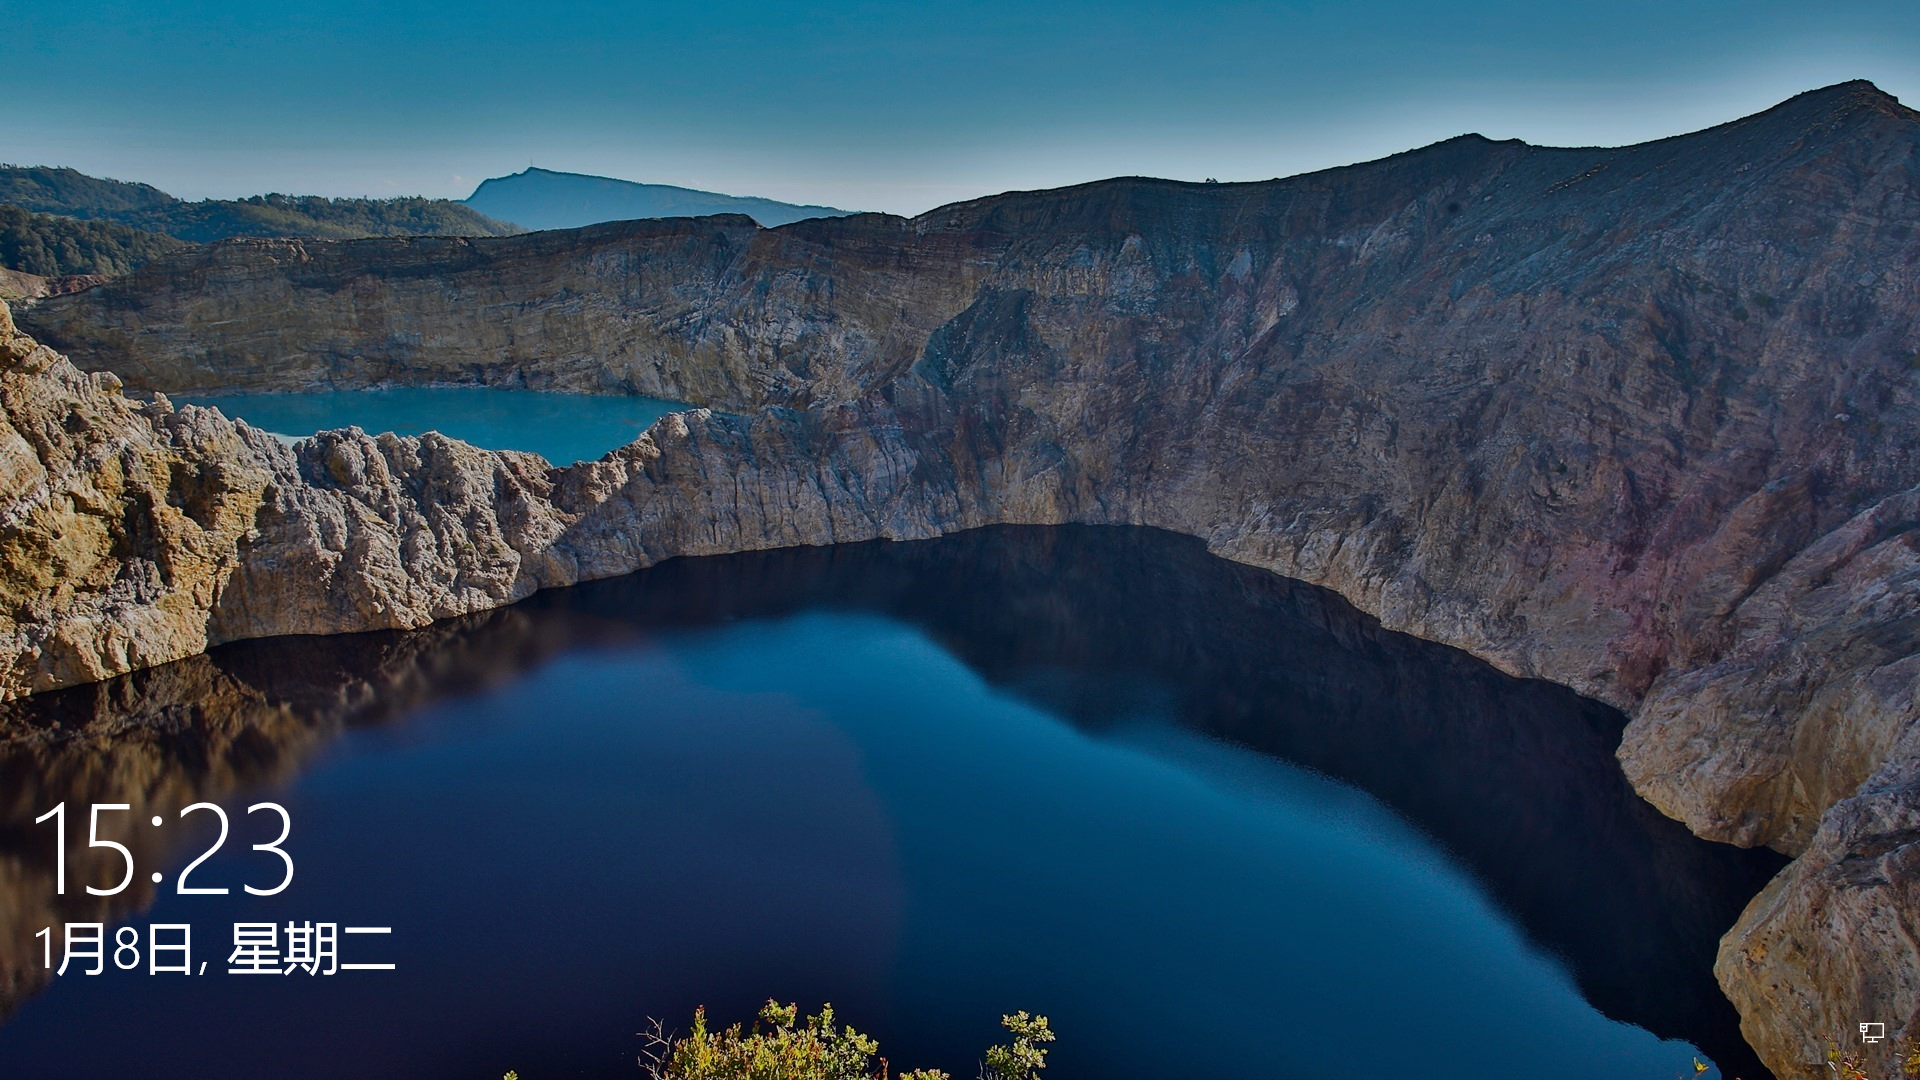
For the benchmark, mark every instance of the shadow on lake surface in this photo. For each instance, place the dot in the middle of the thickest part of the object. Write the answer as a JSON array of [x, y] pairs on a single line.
[[1514, 780]]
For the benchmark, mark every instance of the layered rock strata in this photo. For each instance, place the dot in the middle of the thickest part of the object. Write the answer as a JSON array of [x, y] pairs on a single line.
[[1640, 421]]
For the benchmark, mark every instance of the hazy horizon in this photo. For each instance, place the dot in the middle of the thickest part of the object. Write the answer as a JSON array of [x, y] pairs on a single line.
[[885, 106]]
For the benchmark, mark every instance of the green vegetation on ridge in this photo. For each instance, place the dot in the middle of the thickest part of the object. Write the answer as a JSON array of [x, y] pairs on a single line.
[[48, 190], [58, 200], [314, 215], [52, 246]]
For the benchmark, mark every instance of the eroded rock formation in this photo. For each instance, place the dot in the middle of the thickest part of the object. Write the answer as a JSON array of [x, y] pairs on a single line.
[[1640, 421], [120, 522]]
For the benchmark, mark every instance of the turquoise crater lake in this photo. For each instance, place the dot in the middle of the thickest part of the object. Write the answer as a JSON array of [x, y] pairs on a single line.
[[563, 428]]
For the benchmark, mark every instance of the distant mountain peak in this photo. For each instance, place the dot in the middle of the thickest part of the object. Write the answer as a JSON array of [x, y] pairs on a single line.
[[539, 198], [1849, 88], [1830, 105]]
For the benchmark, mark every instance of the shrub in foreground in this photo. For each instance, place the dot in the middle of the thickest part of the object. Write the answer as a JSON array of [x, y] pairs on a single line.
[[782, 1046], [1852, 1064]]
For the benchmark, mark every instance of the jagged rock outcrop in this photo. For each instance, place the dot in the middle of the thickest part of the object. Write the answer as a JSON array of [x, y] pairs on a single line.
[[1833, 937], [1637, 420], [119, 521]]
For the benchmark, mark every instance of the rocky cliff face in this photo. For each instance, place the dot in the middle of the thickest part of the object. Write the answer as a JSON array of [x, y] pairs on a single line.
[[1639, 421], [120, 522]]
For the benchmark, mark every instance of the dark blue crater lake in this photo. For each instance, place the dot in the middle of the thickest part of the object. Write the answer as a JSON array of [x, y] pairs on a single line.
[[1210, 821], [563, 428]]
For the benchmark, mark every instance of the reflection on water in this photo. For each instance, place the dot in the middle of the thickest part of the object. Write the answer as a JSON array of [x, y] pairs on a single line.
[[1514, 780], [243, 718]]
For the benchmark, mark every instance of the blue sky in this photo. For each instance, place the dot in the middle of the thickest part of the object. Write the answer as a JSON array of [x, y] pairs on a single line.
[[885, 106]]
